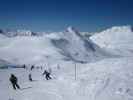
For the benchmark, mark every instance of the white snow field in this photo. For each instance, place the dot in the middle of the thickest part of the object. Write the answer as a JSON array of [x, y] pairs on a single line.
[[104, 66]]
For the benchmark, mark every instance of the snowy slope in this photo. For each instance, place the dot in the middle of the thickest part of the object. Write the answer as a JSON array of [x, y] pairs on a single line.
[[109, 79], [116, 39], [103, 77]]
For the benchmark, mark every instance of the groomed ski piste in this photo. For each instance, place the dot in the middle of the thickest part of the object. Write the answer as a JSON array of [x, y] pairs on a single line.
[[104, 65]]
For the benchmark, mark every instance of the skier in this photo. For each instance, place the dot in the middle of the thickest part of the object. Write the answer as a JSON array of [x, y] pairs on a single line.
[[13, 79], [47, 74], [30, 77], [32, 67]]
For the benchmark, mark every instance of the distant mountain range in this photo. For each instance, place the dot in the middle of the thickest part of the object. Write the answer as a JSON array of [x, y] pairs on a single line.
[[23, 32], [70, 45]]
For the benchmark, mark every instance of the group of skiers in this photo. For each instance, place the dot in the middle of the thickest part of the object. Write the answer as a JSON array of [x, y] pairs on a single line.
[[14, 80]]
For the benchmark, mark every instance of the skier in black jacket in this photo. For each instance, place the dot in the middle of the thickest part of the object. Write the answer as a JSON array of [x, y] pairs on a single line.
[[47, 75], [13, 79]]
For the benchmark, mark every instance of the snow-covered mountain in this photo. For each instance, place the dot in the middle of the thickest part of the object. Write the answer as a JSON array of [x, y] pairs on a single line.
[[69, 45], [117, 39], [14, 33], [74, 46]]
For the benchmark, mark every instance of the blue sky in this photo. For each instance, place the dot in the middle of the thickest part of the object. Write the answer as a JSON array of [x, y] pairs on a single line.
[[56, 15]]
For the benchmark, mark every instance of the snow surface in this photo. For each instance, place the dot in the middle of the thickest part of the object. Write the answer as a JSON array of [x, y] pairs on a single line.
[[109, 77]]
